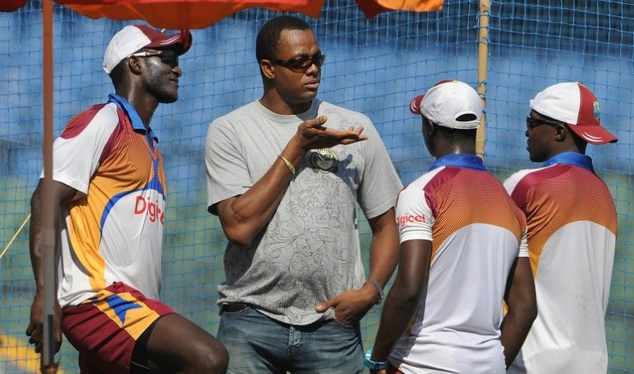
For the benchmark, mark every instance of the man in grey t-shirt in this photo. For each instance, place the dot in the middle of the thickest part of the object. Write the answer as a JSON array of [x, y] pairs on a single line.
[[285, 174]]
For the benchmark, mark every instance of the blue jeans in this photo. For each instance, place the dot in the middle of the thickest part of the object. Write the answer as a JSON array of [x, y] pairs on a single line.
[[259, 344]]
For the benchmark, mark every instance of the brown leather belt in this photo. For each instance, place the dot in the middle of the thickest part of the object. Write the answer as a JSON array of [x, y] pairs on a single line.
[[232, 307]]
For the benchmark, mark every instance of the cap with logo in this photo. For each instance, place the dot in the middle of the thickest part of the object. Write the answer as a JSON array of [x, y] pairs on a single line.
[[447, 102], [134, 37], [575, 105]]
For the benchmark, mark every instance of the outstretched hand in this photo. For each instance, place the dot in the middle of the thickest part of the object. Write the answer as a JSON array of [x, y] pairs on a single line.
[[313, 135], [36, 326]]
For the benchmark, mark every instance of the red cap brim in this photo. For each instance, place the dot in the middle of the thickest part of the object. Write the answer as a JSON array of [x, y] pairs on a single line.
[[180, 42], [594, 134], [414, 105]]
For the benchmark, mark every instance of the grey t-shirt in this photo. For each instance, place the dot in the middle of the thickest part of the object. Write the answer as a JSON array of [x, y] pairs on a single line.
[[309, 252]]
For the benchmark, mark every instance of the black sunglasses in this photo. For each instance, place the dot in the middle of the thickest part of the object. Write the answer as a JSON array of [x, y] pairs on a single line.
[[168, 56], [303, 62], [534, 122]]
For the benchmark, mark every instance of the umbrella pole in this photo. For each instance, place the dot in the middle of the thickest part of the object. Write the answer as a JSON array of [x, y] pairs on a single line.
[[48, 222], [483, 64]]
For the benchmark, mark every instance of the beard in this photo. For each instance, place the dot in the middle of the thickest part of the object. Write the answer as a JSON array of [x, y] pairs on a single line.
[[159, 85], [163, 95]]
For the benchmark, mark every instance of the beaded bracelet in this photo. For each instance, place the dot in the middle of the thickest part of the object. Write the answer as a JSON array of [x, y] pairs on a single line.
[[378, 288]]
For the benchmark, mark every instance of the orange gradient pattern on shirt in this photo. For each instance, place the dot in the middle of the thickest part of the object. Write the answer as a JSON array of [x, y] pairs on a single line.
[[462, 197], [552, 198]]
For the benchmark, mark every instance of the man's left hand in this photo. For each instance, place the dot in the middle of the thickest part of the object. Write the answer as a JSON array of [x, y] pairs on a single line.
[[349, 306]]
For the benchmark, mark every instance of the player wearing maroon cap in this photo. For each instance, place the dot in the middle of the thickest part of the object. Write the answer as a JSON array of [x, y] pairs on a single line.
[[109, 194], [572, 227]]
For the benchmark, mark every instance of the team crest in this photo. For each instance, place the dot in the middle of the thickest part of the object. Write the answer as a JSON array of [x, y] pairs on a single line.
[[597, 113], [325, 160]]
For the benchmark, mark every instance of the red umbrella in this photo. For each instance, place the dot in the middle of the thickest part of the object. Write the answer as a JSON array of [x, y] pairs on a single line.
[[198, 14], [11, 5]]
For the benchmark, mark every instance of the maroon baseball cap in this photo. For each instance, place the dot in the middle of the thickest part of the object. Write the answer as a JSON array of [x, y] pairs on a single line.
[[575, 105], [134, 37]]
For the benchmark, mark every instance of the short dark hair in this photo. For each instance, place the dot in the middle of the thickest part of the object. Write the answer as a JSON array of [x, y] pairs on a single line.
[[118, 72], [269, 35], [457, 135]]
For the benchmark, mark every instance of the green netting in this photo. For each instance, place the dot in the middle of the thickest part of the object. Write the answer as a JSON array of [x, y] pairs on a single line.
[[374, 66]]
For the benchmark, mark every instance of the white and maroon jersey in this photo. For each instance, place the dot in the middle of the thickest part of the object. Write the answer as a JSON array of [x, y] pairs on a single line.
[[113, 230], [477, 233], [572, 227]]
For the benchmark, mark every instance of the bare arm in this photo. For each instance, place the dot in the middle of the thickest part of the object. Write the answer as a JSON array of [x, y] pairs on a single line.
[[244, 216], [384, 249], [61, 193], [352, 305], [404, 297], [522, 308]]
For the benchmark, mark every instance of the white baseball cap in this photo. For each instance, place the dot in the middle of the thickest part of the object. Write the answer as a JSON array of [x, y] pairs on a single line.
[[134, 37], [575, 105], [446, 101]]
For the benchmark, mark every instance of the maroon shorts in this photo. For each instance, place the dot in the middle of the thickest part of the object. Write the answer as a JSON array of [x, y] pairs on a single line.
[[392, 370], [105, 329]]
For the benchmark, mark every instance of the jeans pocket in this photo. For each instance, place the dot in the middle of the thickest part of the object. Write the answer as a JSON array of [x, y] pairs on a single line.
[[234, 309]]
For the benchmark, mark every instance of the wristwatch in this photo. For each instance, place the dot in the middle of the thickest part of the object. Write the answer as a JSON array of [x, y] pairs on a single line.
[[374, 365]]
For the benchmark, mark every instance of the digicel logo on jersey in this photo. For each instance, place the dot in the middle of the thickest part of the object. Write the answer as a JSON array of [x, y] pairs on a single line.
[[408, 218], [150, 208]]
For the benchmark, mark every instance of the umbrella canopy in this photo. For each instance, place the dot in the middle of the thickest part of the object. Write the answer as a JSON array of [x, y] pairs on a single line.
[[198, 14], [11, 5]]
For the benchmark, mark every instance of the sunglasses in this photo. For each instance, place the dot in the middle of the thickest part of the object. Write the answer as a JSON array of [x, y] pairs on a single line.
[[168, 57], [303, 62], [534, 122]]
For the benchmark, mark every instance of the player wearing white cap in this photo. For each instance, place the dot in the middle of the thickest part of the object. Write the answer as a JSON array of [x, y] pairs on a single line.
[[109, 192], [572, 227], [463, 252]]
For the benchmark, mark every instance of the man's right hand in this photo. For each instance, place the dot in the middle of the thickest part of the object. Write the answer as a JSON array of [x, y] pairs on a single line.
[[313, 135], [36, 327]]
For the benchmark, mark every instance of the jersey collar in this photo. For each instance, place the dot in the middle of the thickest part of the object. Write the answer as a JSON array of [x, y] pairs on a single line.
[[571, 158], [459, 160], [137, 124]]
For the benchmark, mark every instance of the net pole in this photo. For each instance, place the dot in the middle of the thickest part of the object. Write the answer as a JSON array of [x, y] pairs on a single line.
[[483, 65], [48, 223]]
